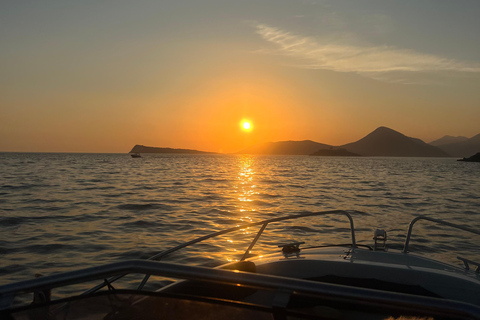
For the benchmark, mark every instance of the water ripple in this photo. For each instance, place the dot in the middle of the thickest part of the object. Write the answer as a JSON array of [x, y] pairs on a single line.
[[141, 207], [64, 211]]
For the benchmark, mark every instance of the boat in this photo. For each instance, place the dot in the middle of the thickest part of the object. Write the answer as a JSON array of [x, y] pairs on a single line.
[[338, 281], [135, 155]]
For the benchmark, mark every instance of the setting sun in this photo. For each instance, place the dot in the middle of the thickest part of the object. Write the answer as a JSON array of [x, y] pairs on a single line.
[[246, 125]]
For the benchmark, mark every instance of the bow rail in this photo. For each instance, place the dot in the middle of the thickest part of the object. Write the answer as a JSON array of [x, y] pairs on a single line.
[[263, 224], [445, 223]]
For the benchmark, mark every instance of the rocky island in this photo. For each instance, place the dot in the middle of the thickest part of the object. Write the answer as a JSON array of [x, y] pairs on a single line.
[[474, 158], [144, 149]]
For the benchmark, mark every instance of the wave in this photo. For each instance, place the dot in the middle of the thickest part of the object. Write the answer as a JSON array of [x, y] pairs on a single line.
[[49, 248], [72, 209], [45, 201], [268, 196], [302, 229], [214, 180], [18, 220], [13, 268], [146, 206], [23, 186], [142, 224], [11, 221]]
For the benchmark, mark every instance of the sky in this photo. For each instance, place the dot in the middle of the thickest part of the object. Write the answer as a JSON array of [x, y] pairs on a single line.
[[102, 76]]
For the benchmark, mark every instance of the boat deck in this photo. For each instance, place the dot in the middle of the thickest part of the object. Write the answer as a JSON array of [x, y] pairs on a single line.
[[378, 270]]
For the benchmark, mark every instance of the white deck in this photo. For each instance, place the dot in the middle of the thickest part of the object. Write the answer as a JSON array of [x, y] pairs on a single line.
[[396, 268]]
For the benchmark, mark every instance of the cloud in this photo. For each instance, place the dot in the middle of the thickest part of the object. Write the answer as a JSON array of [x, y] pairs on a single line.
[[373, 61]]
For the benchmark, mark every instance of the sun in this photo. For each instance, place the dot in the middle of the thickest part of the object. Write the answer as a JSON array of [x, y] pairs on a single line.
[[246, 125]]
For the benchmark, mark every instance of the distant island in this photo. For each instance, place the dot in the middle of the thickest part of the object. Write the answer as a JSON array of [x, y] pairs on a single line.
[[144, 149], [335, 153], [382, 142], [474, 158]]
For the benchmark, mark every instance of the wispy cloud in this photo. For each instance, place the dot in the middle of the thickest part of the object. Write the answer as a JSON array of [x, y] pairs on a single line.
[[372, 61]]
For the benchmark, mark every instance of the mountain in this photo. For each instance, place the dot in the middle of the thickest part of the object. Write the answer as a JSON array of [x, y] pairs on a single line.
[[447, 140], [286, 148], [143, 149], [474, 158], [463, 148], [383, 142], [334, 153], [386, 142]]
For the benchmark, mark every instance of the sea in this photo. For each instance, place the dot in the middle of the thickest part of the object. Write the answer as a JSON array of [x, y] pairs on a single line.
[[67, 211]]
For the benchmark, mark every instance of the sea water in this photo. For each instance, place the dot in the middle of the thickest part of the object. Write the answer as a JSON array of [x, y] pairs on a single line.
[[61, 212]]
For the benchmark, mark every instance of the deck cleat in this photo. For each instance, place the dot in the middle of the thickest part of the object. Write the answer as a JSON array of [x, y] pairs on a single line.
[[290, 249]]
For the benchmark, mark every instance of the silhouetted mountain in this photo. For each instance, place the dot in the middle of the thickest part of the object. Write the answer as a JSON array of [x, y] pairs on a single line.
[[334, 153], [286, 148], [474, 158], [463, 148], [447, 140], [143, 149], [390, 143], [382, 141]]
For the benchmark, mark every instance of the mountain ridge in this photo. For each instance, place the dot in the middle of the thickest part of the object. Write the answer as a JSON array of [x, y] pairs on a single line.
[[464, 148], [382, 141], [447, 140], [387, 142], [144, 149]]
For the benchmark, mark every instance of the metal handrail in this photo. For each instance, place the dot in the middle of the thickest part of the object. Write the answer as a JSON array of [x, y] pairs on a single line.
[[331, 292], [410, 228], [263, 224]]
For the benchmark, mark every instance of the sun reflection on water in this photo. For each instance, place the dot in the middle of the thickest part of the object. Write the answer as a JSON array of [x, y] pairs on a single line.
[[245, 190], [245, 186]]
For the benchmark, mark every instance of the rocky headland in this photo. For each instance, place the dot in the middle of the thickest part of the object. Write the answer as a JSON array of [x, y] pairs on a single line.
[[144, 149]]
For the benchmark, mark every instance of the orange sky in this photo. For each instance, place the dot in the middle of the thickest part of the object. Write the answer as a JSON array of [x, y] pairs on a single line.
[[106, 76]]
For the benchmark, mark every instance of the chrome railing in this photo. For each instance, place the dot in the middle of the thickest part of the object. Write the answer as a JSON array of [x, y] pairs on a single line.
[[410, 229], [263, 225], [338, 294]]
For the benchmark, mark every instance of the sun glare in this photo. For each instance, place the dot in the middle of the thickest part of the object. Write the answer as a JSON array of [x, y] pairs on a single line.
[[246, 125]]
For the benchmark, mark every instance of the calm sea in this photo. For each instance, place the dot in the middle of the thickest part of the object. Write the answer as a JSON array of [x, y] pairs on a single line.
[[60, 212]]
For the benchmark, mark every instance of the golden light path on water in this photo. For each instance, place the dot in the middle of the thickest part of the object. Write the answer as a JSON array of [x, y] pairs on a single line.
[[247, 189], [244, 189]]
